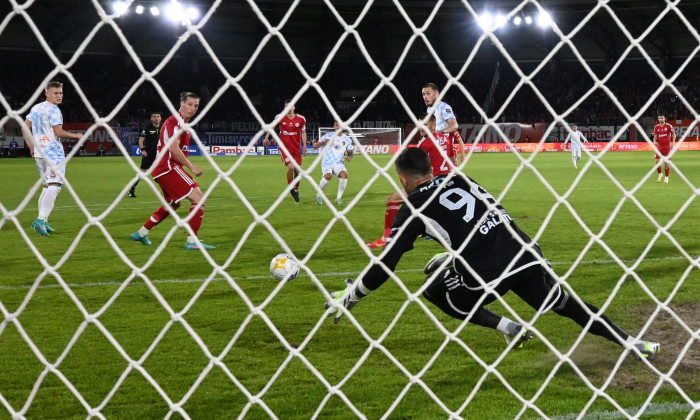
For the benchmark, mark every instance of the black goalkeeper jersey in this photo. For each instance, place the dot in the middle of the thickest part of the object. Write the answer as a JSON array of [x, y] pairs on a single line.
[[151, 136], [453, 212]]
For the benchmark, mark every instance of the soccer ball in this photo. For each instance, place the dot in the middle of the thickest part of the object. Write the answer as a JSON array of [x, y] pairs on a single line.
[[284, 267]]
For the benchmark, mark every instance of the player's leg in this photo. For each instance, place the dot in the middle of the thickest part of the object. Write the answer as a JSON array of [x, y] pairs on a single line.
[[658, 167], [573, 156], [196, 213], [667, 167], [161, 212], [448, 292], [53, 181], [393, 203], [39, 224], [539, 289], [342, 184], [327, 175], [132, 190]]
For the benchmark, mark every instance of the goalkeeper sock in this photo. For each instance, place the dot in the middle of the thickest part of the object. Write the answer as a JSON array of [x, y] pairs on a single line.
[[342, 183], [391, 209], [323, 184], [157, 217], [48, 201], [667, 171]]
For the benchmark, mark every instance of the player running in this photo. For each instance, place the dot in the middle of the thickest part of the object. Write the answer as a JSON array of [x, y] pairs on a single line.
[[445, 118], [292, 134], [576, 138], [333, 162], [442, 158], [486, 248], [43, 127], [148, 143], [663, 136], [176, 184]]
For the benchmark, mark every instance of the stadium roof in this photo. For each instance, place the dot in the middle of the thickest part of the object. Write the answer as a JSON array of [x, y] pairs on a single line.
[[235, 31]]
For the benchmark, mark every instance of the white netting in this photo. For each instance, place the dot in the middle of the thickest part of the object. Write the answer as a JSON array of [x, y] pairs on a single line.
[[294, 352]]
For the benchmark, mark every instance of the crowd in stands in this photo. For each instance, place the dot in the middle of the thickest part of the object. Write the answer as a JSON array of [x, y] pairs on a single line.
[[106, 81]]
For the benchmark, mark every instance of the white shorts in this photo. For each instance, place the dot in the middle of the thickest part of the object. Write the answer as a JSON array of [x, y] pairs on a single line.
[[334, 169], [50, 177]]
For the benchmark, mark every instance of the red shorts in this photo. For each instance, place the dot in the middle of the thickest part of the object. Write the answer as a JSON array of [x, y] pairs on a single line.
[[287, 158], [176, 185], [663, 151]]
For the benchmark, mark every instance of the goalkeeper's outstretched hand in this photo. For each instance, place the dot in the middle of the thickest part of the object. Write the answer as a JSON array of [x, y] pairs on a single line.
[[341, 298]]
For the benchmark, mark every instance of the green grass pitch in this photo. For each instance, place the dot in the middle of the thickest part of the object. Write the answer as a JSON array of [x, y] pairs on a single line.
[[218, 345]]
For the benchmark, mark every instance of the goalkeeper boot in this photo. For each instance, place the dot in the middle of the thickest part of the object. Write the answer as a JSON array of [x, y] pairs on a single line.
[[647, 349], [295, 195], [436, 262], [194, 246], [38, 224], [319, 200], [521, 335], [138, 238], [379, 243], [339, 201]]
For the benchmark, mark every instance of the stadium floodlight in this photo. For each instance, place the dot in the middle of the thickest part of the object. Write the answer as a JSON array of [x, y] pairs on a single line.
[[175, 12], [517, 20], [528, 20], [544, 19], [120, 7], [155, 11], [500, 21], [485, 20], [139, 9], [192, 13]]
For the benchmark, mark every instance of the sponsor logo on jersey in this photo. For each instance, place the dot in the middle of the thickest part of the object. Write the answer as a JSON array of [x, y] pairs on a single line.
[[290, 133], [494, 219]]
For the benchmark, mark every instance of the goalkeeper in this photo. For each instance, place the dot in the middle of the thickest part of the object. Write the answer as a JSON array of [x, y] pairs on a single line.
[[493, 256]]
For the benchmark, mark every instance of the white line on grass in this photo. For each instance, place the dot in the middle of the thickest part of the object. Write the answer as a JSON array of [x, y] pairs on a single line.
[[329, 274], [652, 409]]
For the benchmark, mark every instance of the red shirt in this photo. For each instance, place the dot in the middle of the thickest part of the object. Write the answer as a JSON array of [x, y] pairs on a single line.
[[167, 162], [437, 161], [663, 135], [290, 132]]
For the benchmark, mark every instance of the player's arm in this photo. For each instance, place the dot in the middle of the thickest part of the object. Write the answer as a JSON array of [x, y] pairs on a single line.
[[377, 275], [656, 139], [180, 157], [323, 140], [27, 134], [462, 150], [141, 146], [61, 133], [351, 153], [584, 138], [303, 139], [451, 126]]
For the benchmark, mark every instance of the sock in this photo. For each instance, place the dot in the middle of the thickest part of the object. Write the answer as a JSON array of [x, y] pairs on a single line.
[[133, 187], [391, 209], [323, 184], [41, 197], [143, 231], [157, 217], [668, 169], [573, 158], [658, 169], [342, 183], [196, 221], [507, 326], [48, 201], [573, 309]]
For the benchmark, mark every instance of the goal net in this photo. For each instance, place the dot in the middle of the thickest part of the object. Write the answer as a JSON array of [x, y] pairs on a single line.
[[96, 324]]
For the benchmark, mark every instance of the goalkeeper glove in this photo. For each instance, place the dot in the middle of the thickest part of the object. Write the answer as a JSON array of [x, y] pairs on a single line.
[[343, 298]]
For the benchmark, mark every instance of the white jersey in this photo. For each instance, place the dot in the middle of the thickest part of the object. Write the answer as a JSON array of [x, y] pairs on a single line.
[[442, 112], [44, 117], [576, 138], [334, 151]]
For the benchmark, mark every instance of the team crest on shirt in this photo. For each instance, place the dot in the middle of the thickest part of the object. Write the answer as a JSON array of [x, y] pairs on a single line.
[[296, 125], [448, 110]]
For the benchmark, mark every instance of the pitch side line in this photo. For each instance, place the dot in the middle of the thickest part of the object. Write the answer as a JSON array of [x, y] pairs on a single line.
[[301, 274], [652, 409]]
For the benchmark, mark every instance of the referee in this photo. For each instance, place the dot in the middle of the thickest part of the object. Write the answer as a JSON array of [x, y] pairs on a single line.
[[490, 251], [148, 142]]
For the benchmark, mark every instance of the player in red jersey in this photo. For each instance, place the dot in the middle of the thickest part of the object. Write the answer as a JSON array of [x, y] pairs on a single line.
[[663, 136], [176, 184], [292, 134], [442, 155]]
